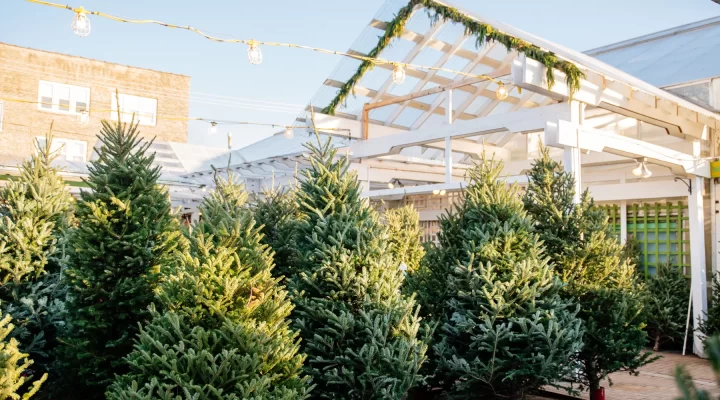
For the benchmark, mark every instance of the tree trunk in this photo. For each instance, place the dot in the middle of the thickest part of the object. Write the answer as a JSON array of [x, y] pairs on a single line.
[[657, 343]]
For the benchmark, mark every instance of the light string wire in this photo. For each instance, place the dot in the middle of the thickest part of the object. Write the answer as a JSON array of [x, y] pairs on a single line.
[[253, 42], [173, 118]]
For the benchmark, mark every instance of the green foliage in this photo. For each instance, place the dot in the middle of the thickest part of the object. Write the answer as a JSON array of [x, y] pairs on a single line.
[[225, 333], [14, 367], [684, 380], [35, 210], [597, 273], [125, 233], [507, 331], [711, 325], [633, 253], [483, 33], [667, 296], [358, 330], [277, 212], [403, 225]]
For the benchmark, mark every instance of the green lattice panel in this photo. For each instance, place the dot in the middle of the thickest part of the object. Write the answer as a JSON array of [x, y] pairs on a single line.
[[661, 231]]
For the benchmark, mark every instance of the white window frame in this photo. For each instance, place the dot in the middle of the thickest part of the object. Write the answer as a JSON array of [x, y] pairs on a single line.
[[63, 145], [76, 93], [130, 104], [2, 114]]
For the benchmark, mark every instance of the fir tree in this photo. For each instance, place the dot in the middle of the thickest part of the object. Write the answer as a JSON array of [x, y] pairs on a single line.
[[598, 276], [403, 225], [359, 332], [507, 331], [225, 333], [13, 367], [711, 325], [35, 210], [277, 212], [685, 382], [125, 234], [667, 296]]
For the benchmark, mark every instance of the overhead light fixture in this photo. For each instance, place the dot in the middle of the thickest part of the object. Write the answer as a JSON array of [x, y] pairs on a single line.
[[502, 91], [81, 23], [390, 185], [213, 128], [254, 53], [642, 170], [442, 192], [436, 192], [289, 134], [398, 75], [203, 188]]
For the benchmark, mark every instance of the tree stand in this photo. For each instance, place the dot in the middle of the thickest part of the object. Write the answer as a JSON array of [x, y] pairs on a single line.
[[598, 394]]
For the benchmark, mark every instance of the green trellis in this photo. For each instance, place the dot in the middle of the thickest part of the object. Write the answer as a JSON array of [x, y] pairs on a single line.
[[661, 230]]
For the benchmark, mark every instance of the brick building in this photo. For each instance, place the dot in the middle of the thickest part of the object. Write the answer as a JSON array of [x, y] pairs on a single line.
[[60, 88]]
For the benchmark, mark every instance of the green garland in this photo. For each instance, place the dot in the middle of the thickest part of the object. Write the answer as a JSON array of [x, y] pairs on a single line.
[[483, 33]]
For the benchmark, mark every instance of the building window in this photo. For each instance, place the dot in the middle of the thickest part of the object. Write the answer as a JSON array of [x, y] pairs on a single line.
[[144, 109], [2, 112], [68, 150], [61, 98]]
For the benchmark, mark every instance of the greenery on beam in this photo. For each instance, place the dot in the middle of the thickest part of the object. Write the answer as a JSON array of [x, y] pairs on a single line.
[[483, 33]]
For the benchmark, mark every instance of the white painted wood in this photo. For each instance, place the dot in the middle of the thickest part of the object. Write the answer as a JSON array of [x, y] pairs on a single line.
[[697, 261], [448, 139], [565, 133], [637, 191], [528, 120], [623, 221]]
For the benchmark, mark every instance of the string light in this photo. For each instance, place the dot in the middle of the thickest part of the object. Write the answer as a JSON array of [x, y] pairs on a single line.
[[502, 92], [436, 192], [81, 22], [442, 192], [254, 53], [83, 118], [398, 75], [289, 133], [213, 128]]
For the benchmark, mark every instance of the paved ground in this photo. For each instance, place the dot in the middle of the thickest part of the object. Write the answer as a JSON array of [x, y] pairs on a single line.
[[657, 380]]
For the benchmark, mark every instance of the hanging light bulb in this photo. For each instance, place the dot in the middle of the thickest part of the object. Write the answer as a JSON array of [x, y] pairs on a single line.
[[390, 185], [436, 192], [398, 75], [81, 23], [254, 53], [637, 171], [203, 188], [646, 173], [213, 128], [289, 133], [442, 192], [502, 91], [83, 118]]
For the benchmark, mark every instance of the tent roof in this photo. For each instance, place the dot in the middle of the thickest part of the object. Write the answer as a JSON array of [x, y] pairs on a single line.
[[673, 56]]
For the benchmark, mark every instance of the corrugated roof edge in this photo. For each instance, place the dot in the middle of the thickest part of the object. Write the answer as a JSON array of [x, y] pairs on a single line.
[[693, 26], [92, 59]]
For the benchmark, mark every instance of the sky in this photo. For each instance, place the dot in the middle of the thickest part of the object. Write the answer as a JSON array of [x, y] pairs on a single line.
[[225, 86]]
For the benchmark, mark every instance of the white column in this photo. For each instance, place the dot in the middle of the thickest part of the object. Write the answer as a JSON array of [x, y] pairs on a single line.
[[448, 140], [571, 158], [623, 221], [697, 260]]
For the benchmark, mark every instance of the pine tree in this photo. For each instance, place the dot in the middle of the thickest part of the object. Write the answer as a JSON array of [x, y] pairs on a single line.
[[225, 333], [276, 211], [359, 332], [126, 233], [35, 210], [13, 366], [403, 225], [598, 276], [711, 325], [685, 382], [667, 296], [506, 331]]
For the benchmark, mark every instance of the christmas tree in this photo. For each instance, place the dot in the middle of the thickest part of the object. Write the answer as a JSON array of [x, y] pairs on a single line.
[[403, 225], [35, 210], [711, 325], [685, 382], [126, 233], [667, 296], [507, 331], [598, 275], [225, 331], [358, 330], [276, 211], [13, 367]]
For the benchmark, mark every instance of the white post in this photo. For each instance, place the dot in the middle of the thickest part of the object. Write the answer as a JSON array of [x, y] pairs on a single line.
[[623, 221], [697, 260], [448, 140], [571, 159]]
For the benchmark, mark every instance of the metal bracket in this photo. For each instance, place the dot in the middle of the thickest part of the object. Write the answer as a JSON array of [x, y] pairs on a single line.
[[687, 182]]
